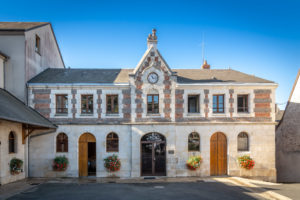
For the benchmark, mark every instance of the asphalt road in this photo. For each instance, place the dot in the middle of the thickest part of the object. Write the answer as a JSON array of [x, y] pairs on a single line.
[[141, 191]]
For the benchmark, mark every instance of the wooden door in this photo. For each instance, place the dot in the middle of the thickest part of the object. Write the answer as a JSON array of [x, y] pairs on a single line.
[[83, 152], [218, 154]]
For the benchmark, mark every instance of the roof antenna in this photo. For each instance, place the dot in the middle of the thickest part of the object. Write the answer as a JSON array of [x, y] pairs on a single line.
[[202, 44]]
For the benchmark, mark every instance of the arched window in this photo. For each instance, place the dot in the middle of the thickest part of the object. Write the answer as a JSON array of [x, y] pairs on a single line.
[[62, 143], [12, 142], [243, 142], [112, 142], [194, 142]]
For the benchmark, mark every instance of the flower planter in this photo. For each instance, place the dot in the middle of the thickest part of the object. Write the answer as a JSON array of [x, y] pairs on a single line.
[[60, 163], [112, 163], [194, 162], [16, 166], [246, 162]]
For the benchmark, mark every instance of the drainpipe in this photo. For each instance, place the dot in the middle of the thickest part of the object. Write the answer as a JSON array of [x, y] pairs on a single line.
[[130, 150]]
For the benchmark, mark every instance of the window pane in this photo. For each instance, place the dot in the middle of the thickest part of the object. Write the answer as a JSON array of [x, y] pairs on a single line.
[[193, 103], [149, 107], [243, 142], [155, 98], [149, 99], [194, 142], [116, 110]]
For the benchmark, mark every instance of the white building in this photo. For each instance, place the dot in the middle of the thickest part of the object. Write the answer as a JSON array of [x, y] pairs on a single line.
[[154, 118]]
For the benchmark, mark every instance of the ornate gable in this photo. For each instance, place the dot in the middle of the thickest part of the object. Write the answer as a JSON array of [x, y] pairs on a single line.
[[152, 75]]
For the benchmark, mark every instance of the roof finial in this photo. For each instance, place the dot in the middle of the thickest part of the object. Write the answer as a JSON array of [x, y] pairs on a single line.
[[205, 65], [152, 39]]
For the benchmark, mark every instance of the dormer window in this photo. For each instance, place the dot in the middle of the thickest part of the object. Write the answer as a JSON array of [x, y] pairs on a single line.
[[37, 44], [152, 104]]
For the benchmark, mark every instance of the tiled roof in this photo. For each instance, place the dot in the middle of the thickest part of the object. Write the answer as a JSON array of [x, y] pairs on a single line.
[[106, 76], [12, 109], [20, 26]]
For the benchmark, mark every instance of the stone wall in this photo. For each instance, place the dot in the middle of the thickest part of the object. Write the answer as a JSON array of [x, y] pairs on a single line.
[[5, 157], [262, 139], [288, 140]]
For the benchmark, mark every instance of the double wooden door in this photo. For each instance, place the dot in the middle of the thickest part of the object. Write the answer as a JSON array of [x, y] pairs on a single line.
[[218, 154], [153, 155], [87, 155]]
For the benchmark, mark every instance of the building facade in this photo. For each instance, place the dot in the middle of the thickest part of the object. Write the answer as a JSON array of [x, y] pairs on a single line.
[[154, 118]]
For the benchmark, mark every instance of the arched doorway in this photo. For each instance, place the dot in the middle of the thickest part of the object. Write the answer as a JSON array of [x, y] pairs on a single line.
[[218, 154], [153, 155], [87, 155]]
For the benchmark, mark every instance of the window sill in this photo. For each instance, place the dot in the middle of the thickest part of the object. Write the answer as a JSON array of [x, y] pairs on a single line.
[[61, 114], [243, 152], [92, 114], [153, 115], [112, 114], [194, 114]]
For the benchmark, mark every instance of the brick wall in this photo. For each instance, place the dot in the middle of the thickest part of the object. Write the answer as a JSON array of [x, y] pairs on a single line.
[[42, 101], [262, 101]]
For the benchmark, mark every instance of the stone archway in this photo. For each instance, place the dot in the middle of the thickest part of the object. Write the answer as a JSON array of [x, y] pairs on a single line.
[[153, 155], [87, 155]]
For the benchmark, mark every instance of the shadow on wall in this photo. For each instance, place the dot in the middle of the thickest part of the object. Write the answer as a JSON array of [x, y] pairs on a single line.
[[288, 145]]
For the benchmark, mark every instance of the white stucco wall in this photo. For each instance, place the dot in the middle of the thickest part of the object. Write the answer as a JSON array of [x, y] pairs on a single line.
[[5, 157], [14, 72]]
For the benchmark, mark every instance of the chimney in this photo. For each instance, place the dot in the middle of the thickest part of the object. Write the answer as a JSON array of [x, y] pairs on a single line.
[[152, 39], [205, 65]]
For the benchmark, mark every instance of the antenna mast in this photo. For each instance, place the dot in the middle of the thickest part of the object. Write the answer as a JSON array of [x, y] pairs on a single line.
[[202, 47]]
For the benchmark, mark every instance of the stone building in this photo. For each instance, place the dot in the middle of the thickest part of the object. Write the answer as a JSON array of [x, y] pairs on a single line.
[[154, 118], [26, 49], [288, 138]]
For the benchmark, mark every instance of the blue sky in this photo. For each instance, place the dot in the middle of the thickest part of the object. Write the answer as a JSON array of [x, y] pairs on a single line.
[[255, 37]]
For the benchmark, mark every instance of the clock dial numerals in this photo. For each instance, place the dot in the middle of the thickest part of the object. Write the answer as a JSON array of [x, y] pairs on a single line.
[[152, 77]]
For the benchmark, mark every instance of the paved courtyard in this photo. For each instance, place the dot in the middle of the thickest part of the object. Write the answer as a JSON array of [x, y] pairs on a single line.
[[135, 191]]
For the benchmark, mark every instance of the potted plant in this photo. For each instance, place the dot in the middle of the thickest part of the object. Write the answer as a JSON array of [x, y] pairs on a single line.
[[246, 162], [194, 162], [112, 163], [60, 163], [16, 166]]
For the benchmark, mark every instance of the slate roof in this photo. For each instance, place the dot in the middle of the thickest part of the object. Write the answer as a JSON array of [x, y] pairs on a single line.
[[20, 26], [12, 109], [109, 76]]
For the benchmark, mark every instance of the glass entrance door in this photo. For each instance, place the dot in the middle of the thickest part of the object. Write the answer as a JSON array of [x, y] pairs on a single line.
[[153, 155]]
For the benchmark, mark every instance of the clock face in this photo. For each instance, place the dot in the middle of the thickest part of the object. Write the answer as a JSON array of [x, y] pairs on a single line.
[[152, 77]]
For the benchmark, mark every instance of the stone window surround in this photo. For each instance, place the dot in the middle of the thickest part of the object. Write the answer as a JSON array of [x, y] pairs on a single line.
[[250, 93], [226, 94], [53, 103], [200, 146], [103, 104], [54, 142], [240, 153], [201, 103], [78, 103]]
